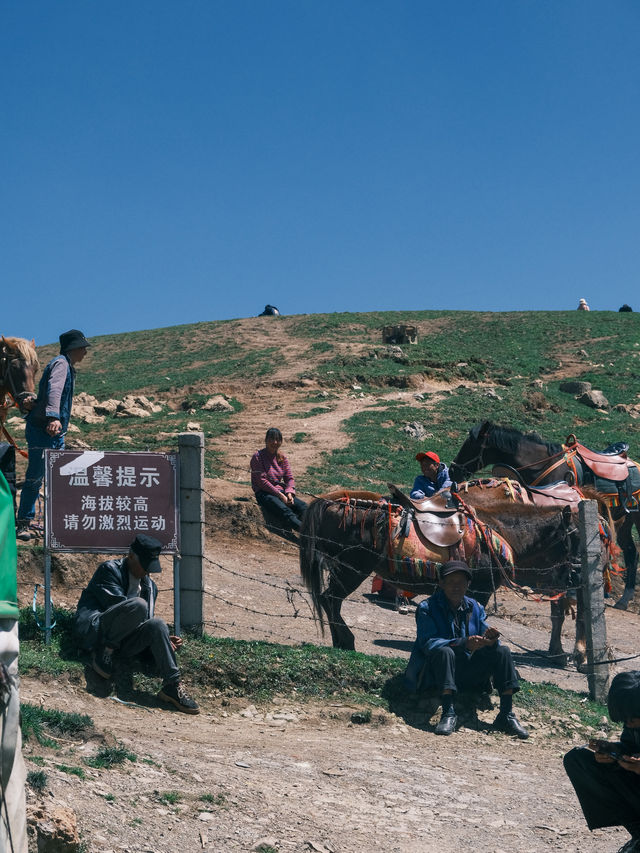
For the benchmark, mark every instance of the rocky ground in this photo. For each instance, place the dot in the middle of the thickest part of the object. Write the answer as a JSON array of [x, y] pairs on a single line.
[[300, 777]]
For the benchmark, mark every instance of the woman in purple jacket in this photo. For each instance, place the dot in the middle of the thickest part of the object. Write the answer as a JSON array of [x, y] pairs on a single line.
[[273, 483]]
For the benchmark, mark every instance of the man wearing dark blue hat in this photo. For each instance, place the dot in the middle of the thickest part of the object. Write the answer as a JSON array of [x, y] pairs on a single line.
[[115, 618], [455, 648], [48, 420], [606, 776]]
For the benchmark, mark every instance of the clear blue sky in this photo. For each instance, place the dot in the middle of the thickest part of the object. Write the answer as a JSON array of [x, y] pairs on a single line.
[[172, 162]]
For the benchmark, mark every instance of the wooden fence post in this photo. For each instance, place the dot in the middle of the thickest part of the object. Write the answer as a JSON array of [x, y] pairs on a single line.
[[598, 675], [191, 447]]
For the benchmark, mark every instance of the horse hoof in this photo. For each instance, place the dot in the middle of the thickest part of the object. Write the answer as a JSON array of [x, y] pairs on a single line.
[[623, 602]]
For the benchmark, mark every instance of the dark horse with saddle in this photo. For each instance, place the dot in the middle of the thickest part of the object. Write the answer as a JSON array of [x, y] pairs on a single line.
[[529, 546], [529, 458]]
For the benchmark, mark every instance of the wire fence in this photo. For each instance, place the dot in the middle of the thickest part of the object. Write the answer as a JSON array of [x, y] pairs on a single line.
[[297, 604]]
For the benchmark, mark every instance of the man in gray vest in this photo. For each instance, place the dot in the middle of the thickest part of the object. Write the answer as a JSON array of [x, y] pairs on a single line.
[[48, 420]]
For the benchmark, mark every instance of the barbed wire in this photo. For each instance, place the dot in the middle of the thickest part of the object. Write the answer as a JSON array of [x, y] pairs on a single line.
[[296, 597]]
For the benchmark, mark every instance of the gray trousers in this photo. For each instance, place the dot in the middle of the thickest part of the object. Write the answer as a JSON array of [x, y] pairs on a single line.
[[13, 821], [126, 629]]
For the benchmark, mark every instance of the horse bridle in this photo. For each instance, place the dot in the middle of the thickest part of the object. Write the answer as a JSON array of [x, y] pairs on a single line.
[[6, 376], [477, 458]]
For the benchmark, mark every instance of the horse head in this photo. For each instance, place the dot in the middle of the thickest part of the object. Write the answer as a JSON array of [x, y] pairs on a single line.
[[18, 369], [469, 458]]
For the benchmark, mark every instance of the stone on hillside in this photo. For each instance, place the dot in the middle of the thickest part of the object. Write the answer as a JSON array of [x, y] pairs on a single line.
[[86, 414], [106, 407], [139, 401], [85, 399], [594, 399], [125, 411], [73, 428], [537, 383], [193, 426], [631, 410], [16, 422], [574, 386], [415, 430], [491, 393], [56, 829], [217, 404]]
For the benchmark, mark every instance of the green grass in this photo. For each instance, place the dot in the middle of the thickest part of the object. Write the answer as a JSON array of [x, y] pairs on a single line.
[[108, 757], [40, 723], [37, 780], [259, 671], [73, 771], [169, 798], [506, 350]]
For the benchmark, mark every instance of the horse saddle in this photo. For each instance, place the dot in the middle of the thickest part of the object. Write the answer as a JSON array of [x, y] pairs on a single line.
[[436, 518], [608, 465], [554, 494]]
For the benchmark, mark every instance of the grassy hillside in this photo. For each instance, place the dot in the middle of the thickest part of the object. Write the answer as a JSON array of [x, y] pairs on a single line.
[[497, 356]]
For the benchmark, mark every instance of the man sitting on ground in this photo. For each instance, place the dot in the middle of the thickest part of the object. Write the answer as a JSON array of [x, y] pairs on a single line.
[[115, 617], [456, 649], [608, 786], [434, 477]]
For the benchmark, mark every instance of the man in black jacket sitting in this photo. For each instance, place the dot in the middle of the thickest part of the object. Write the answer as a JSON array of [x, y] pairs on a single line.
[[115, 615], [607, 778]]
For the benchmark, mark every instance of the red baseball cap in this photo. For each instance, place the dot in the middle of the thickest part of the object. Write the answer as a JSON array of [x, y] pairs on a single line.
[[428, 455]]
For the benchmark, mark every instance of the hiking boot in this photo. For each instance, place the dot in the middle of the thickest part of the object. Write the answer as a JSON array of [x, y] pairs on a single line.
[[102, 662], [177, 695], [510, 724], [447, 724], [23, 530]]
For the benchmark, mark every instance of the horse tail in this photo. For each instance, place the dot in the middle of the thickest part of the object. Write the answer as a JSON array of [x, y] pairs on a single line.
[[311, 560]]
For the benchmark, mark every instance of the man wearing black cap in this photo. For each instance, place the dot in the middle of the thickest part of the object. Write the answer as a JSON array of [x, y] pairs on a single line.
[[115, 616], [607, 778], [455, 648], [48, 420]]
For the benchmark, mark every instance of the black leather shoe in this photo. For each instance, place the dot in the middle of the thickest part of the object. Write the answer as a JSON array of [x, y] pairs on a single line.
[[447, 724], [510, 724]]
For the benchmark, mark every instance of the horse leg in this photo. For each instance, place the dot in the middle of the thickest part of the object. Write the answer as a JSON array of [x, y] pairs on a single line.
[[555, 644], [630, 553], [343, 581]]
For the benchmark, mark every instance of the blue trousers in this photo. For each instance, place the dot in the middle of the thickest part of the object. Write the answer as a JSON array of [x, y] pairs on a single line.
[[289, 515], [38, 440]]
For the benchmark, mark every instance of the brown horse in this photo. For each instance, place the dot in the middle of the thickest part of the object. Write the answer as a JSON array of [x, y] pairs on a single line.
[[18, 369], [495, 492], [535, 460], [351, 539]]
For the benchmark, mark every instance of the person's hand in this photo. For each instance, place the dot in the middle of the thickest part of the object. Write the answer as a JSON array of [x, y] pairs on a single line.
[[54, 428], [630, 762], [283, 497], [603, 758], [475, 642], [289, 497], [492, 635], [176, 642]]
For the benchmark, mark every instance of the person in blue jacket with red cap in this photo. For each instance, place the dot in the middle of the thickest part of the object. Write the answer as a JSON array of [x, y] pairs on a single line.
[[434, 477]]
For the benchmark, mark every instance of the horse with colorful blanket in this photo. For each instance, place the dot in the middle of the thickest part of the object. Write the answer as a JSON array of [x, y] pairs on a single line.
[[347, 539]]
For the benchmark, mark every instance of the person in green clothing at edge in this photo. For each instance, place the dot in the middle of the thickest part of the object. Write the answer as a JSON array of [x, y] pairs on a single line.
[[13, 823]]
